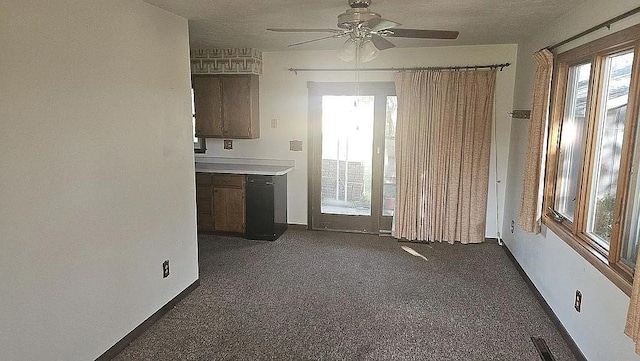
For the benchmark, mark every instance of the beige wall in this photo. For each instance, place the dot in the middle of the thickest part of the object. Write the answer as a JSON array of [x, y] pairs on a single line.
[[283, 96], [96, 173], [556, 269]]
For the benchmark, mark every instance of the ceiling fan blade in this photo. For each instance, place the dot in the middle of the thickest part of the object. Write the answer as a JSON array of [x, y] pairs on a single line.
[[323, 38], [282, 30], [424, 34], [377, 24], [381, 43]]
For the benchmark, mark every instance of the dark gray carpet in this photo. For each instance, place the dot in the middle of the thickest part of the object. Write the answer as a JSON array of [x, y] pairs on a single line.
[[335, 296]]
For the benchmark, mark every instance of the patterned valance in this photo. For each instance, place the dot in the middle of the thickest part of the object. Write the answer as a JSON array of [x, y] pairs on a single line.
[[226, 61]]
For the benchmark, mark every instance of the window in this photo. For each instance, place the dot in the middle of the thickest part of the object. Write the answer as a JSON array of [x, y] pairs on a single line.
[[199, 145], [592, 186]]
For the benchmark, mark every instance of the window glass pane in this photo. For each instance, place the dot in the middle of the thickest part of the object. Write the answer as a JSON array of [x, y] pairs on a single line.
[[632, 225], [608, 150], [347, 146], [389, 185], [631, 234], [571, 139]]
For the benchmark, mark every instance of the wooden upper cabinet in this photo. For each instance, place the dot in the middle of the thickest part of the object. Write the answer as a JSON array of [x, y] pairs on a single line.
[[227, 106], [207, 91]]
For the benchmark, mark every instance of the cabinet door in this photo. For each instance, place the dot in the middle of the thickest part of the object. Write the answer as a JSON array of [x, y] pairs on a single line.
[[204, 202], [240, 100], [229, 209], [207, 94]]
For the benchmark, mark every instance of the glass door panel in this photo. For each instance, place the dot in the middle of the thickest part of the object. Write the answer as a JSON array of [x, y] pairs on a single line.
[[389, 180], [351, 172], [347, 143]]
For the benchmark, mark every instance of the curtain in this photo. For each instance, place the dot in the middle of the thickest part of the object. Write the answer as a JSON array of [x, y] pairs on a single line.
[[530, 214], [632, 328], [443, 139]]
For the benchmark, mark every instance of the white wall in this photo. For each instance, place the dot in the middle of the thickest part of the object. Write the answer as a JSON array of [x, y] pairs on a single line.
[[96, 173], [283, 96], [556, 269]]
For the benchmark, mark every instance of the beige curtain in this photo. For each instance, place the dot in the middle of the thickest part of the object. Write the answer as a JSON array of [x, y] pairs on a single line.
[[531, 199], [443, 139], [632, 328]]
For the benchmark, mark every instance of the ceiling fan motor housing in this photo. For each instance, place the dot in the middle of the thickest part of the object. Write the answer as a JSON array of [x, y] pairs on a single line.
[[355, 16]]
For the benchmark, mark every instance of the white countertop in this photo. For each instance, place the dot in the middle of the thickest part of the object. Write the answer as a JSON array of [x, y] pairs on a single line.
[[231, 168]]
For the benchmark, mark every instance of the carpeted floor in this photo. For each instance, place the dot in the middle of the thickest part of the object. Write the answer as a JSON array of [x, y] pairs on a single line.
[[336, 296]]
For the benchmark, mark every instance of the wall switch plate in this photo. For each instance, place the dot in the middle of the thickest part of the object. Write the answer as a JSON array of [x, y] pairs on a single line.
[[513, 226], [165, 269], [274, 123], [295, 145], [228, 144], [578, 302]]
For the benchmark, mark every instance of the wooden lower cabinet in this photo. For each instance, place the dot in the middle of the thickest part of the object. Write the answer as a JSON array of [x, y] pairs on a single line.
[[220, 200], [228, 208], [204, 202]]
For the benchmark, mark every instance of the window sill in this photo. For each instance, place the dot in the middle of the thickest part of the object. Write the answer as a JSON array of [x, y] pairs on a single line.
[[593, 257]]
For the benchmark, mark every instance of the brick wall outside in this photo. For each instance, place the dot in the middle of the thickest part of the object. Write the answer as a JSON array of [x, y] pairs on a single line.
[[355, 183]]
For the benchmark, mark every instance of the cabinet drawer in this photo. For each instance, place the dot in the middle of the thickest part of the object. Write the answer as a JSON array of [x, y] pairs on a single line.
[[203, 179], [228, 180]]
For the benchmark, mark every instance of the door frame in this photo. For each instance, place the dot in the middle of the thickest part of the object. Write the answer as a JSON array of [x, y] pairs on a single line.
[[350, 223]]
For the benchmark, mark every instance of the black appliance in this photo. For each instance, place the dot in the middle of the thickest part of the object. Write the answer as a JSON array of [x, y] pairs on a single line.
[[266, 208]]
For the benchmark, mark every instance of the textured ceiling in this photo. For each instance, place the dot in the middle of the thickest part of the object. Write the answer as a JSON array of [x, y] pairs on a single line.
[[243, 24]]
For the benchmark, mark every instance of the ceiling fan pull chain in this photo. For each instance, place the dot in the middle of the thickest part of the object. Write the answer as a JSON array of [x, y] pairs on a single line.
[[357, 84]]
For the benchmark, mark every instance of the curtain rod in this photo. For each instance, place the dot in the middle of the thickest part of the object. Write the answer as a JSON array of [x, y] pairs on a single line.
[[436, 68], [606, 24]]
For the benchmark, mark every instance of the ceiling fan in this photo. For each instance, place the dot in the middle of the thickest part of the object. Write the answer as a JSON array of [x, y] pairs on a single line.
[[366, 32]]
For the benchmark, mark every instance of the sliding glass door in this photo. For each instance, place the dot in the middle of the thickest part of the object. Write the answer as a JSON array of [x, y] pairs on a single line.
[[351, 160]]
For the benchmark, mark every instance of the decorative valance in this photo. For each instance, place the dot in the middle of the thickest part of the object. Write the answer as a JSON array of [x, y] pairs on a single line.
[[226, 61]]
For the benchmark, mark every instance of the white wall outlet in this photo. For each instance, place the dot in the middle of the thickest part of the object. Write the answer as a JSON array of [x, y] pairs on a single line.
[[577, 303], [165, 269], [274, 123]]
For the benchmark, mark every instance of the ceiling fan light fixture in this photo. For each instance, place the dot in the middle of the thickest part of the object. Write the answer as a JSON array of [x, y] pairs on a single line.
[[348, 51], [368, 51]]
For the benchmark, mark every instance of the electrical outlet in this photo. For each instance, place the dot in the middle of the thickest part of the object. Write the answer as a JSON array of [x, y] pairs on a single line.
[[578, 302], [165, 269], [228, 144], [513, 226], [274, 123]]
